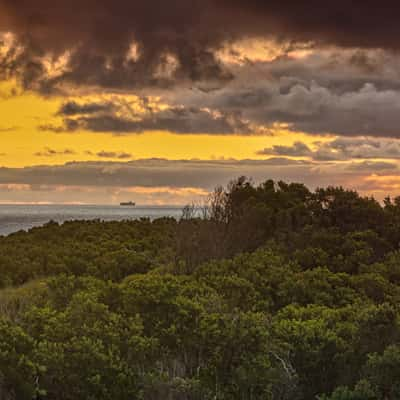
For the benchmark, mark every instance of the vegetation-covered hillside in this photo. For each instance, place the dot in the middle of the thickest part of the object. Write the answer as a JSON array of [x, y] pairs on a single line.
[[272, 292]]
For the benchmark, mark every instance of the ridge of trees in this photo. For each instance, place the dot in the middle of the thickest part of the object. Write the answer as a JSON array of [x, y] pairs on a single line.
[[269, 291]]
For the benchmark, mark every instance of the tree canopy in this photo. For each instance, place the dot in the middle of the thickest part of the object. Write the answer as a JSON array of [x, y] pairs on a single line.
[[271, 292]]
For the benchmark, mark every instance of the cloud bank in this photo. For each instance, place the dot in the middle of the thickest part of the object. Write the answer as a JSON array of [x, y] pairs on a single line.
[[192, 179], [134, 43]]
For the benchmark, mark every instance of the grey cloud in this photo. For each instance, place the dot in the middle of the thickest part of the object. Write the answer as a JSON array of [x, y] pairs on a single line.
[[311, 108], [122, 118], [299, 149], [347, 92], [366, 148], [336, 69], [373, 167], [340, 149], [250, 108]]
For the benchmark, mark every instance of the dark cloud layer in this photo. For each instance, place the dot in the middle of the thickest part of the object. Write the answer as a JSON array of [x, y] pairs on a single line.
[[99, 35], [357, 23], [121, 118]]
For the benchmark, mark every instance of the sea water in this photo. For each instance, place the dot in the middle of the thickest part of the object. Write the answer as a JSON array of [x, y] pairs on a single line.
[[14, 218]]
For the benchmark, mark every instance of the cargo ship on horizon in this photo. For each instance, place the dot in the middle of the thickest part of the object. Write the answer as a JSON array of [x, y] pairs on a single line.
[[128, 204]]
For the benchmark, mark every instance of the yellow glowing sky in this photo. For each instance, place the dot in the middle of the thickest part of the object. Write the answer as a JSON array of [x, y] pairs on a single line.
[[21, 138]]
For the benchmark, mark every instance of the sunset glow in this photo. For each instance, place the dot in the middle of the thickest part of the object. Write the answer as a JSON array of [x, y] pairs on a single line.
[[282, 98]]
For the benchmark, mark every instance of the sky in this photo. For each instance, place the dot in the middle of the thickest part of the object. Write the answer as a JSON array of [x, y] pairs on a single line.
[[160, 101]]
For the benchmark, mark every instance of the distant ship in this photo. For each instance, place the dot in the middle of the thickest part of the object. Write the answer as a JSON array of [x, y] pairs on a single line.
[[128, 203]]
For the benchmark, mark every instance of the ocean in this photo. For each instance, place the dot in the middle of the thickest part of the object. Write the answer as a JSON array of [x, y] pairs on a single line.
[[14, 218]]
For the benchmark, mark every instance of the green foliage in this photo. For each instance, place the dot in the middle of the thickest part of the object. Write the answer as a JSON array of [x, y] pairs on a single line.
[[273, 293], [18, 370]]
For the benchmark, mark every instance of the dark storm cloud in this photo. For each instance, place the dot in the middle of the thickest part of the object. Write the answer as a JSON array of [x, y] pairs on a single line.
[[99, 34], [357, 23], [130, 45]]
